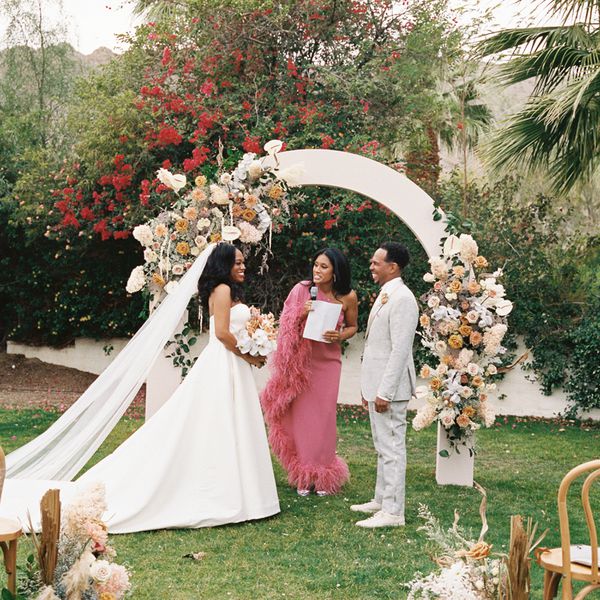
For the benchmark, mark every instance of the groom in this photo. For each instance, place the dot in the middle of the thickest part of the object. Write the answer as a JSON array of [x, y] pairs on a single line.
[[388, 382]]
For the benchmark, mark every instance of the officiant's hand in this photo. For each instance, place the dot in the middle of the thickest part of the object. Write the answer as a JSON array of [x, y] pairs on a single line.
[[365, 404], [307, 307], [332, 336], [381, 405]]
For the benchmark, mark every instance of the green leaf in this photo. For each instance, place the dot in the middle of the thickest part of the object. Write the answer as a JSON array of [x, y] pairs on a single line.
[[444, 453]]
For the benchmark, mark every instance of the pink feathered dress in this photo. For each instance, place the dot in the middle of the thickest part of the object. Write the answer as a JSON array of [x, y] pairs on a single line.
[[300, 400]]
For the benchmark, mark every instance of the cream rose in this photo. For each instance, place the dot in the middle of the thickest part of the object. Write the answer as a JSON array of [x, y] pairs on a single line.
[[100, 571], [143, 234], [218, 195], [174, 182]]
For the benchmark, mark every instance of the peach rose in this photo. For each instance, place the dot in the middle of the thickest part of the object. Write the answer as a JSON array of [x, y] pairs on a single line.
[[473, 287], [481, 261], [477, 381], [465, 331], [435, 383], [424, 320], [475, 338], [463, 421], [455, 286]]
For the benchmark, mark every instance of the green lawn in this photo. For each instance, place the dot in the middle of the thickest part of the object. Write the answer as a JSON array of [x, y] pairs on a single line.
[[313, 549]]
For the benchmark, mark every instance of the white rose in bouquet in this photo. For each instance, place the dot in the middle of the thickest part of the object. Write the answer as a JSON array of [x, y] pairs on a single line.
[[136, 281], [100, 571]]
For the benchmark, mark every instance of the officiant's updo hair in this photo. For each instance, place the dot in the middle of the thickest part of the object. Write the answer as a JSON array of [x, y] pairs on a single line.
[[217, 271], [342, 278]]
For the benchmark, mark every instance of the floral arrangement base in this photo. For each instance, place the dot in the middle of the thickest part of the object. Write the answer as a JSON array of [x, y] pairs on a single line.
[[452, 467]]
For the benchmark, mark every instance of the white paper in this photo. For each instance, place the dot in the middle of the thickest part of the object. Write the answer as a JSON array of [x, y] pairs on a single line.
[[323, 317], [581, 555]]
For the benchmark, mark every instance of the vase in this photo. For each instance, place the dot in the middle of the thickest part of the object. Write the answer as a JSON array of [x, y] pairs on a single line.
[[452, 467]]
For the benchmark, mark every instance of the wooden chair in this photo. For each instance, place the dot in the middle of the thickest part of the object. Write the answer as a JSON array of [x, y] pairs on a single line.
[[556, 562], [10, 532]]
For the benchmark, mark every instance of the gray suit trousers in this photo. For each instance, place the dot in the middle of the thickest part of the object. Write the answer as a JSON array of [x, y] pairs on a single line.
[[389, 433]]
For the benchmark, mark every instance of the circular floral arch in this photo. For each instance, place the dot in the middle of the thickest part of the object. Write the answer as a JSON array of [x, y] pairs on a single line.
[[344, 170]]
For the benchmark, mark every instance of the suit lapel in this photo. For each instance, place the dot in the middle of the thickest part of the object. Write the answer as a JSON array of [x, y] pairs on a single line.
[[372, 316], [375, 310]]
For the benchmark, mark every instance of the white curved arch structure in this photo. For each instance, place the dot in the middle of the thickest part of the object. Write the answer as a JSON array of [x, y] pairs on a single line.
[[344, 170]]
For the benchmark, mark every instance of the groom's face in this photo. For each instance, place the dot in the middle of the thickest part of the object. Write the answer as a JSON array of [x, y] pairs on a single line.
[[381, 270]]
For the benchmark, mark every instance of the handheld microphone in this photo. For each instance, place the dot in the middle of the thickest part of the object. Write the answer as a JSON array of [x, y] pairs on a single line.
[[313, 292]]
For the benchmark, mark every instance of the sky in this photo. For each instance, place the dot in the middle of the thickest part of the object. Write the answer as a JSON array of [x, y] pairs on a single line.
[[94, 23]]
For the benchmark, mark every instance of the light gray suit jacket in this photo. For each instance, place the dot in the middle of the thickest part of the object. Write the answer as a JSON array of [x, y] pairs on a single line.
[[388, 370]]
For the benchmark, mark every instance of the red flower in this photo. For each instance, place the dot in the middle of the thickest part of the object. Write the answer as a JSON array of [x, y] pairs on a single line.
[[166, 59], [121, 235], [291, 68], [252, 144], [169, 135], [326, 141], [199, 156], [207, 88], [87, 214], [329, 223], [69, 220]]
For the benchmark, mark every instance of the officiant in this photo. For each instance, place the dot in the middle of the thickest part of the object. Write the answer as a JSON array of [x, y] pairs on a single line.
[[300, 398]]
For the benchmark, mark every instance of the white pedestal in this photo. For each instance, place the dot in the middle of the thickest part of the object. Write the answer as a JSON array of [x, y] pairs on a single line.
[[455, 469], [163, 378]]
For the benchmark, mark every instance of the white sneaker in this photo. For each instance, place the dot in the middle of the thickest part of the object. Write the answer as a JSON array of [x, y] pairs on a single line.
[[302, 492], [382, 519], [368, 507]]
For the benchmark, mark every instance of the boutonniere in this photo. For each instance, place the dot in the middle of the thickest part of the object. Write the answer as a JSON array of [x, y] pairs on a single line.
[[384, 298]]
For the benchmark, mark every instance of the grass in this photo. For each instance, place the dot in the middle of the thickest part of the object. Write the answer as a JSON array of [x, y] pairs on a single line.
[[313, 549]]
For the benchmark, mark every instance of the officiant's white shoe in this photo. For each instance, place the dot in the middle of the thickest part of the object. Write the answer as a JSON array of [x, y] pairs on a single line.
[[367, 507], [382, 519]]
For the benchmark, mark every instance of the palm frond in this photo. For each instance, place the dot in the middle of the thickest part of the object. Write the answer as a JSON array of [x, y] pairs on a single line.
[[574, 10], [159, 9], [566, 143]]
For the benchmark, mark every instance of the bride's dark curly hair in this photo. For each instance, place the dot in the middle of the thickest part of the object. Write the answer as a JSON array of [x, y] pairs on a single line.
[[217, 271]]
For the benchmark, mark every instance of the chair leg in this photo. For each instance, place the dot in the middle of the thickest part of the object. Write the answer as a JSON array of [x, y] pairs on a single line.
[[10, 564], [586, 590], [551, 581]]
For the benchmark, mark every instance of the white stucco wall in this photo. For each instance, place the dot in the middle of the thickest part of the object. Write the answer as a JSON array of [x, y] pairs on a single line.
[[523, 397]]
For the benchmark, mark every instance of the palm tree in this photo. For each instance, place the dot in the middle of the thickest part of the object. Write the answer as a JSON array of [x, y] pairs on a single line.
[[559, 127], [466, 118]]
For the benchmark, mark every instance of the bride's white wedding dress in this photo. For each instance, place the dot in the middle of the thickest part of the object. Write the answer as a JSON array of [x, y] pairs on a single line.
[[201, 460]]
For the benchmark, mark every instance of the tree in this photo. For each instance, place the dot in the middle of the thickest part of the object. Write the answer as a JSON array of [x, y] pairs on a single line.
[[466, 118], [559, 127]]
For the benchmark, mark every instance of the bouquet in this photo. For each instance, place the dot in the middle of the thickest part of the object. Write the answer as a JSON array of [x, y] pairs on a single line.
[[85, 566], [467, 570], [463, 325], [259, 336]]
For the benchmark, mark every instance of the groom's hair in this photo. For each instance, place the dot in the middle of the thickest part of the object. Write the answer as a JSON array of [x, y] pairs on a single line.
[[397, 253]]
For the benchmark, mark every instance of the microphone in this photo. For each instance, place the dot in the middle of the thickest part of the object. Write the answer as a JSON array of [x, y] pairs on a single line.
[[313, 292]]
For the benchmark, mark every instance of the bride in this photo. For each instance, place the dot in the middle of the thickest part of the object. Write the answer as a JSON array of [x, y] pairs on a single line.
[[203, 458]]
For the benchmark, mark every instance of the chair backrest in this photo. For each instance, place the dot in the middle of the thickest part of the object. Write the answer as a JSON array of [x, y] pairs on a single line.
[[2, 470], [563, 516]]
